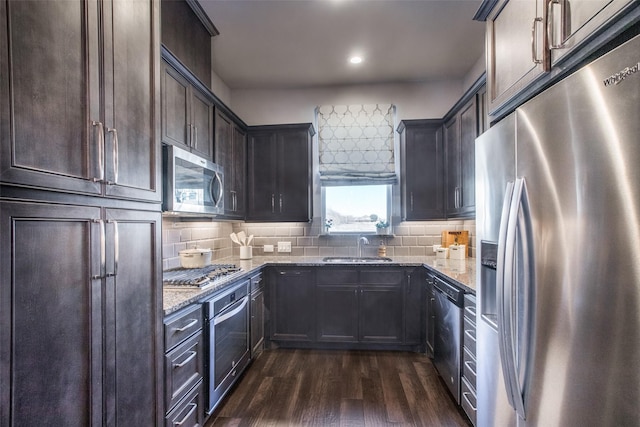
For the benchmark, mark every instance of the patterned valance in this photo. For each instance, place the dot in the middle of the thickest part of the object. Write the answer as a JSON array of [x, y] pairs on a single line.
[[356, 144]]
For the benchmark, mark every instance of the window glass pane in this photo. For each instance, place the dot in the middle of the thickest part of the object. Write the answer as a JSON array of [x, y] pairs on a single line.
[[356, 208]]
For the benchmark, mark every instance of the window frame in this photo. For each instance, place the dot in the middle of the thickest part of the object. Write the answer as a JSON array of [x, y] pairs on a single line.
[[323, 207]]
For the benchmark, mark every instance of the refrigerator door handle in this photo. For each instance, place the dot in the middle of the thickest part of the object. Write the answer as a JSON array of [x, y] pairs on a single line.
[[514, 324]]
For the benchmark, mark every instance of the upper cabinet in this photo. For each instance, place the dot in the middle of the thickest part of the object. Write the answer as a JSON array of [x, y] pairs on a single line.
[[532, 43], [279, 176], [422, 169], [186, 33], [231, 153], [187, 114], [72, 75], [516, 54]]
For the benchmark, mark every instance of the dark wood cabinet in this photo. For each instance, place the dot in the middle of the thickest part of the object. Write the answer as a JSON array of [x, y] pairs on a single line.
[[189, 38], [231, 153], [71, 118], [292, 303], [80, 165], [257, 315], [422, 169], [338, 308], [382, 305], [430, 315], [460, 132], [279, 175], [80, 329], [187, 114]]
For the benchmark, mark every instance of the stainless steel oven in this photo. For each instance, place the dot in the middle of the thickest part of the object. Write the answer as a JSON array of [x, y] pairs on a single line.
[[227, 324], [191, 184]]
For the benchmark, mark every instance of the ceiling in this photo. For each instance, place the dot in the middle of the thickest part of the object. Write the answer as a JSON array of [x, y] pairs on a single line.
[[278, 44]]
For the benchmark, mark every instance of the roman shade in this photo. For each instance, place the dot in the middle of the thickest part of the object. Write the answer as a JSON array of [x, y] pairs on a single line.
[[356, 144]]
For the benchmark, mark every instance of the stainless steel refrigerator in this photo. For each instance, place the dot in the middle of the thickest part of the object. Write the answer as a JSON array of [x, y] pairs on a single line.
[[558, 225]]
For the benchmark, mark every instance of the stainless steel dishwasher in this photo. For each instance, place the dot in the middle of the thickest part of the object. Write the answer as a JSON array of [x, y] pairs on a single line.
[[449, 306]]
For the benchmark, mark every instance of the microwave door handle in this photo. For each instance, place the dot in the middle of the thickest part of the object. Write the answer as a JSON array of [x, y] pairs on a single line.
[[217, 198]]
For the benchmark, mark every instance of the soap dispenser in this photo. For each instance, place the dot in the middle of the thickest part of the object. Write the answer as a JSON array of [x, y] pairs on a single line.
[[382, 249]]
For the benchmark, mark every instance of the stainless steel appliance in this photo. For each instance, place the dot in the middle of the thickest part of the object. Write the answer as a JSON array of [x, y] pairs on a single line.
[[191, 184], [227, 326], [449, 305], [202, 278], [558, 189]]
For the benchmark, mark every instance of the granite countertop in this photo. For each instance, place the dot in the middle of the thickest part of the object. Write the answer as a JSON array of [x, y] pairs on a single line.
[[462, 272]]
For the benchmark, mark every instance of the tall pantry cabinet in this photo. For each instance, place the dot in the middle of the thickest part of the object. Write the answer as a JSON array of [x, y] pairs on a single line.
[[80, 259]]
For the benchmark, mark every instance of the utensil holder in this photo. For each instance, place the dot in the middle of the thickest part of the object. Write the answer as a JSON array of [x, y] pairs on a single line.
[[246, 252]]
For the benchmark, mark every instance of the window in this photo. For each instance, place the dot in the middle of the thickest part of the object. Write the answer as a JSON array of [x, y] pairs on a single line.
[[355, 208], [357, 165]]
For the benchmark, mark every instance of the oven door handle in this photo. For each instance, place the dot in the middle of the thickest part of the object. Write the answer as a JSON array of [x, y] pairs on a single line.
[[222, 317]]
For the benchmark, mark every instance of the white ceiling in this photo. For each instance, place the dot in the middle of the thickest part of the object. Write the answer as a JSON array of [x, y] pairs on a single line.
[[307, 43]]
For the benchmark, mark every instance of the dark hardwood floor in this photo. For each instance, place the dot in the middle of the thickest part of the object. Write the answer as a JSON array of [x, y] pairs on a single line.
[[339, 388]]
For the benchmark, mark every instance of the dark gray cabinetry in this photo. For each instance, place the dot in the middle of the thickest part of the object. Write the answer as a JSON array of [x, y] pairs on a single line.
[[338, 305], [292, 304], [430, 315], [460, 132], [185, 35], [80, 327], [468, 387], [279, 174], [422, 160], [257, 315], [184, 366], [72, 77], [187, 114], [231, 153], [381, 305]]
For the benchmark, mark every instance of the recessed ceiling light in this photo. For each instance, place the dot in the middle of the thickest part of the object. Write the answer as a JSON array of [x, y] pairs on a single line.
[[355, 59]]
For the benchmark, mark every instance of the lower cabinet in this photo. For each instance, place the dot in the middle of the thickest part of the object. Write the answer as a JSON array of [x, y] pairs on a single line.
[[468, 387], [184, 367], [256, 332], [348, 306], [430, 315]]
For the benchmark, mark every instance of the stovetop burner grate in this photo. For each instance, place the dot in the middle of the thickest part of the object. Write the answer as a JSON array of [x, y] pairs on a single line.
[[198, 277]]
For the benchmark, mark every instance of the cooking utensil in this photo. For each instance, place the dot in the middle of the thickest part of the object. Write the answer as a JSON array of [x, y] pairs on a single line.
[[195, 258], [234, 238], [249, 240], [243, 238]]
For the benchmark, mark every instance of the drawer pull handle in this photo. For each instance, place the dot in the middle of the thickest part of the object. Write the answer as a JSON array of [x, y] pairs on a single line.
[[185, 361], [193, 322], [186, 417], [465, 394], [469, 365], [470, 334]]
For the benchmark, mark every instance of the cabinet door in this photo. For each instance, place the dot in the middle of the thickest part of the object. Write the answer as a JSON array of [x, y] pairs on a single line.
[[257, 323], [261, 197], [381, 306], [50, 315], [176, 128], [224, 157], [423, 160], [202, 124], [49, 95], [337, 292], [294, 178], [293, 303], [467, 186], [515, 59], [133, 318], [431, 315], [239, 171], [414, 301], [132, 98], [451, 135]]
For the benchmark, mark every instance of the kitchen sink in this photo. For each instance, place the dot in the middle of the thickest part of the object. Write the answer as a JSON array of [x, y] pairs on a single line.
[[359, 260]]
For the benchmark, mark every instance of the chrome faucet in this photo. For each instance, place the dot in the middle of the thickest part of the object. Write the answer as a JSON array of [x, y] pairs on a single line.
[[362, 241]]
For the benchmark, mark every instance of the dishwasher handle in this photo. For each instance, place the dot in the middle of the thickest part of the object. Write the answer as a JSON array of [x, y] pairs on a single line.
[[453, 294]]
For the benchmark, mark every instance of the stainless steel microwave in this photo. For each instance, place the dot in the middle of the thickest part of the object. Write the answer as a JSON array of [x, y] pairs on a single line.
[[191, 184]]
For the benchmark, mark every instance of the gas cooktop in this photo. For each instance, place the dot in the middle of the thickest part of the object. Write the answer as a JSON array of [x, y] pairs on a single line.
[[189, 278]]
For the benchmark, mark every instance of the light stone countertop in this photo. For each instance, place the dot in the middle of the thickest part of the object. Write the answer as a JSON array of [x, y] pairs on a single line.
[[461, 272]]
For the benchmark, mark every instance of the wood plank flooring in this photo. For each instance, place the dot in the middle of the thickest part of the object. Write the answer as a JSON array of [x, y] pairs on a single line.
[[339, 388]]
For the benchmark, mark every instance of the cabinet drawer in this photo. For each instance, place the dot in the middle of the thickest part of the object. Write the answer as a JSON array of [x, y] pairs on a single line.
[[183, 368], [469, 368], [181, 325], [468, 401], [337, 276], [257, 283], [189, 412], [469, 338]]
